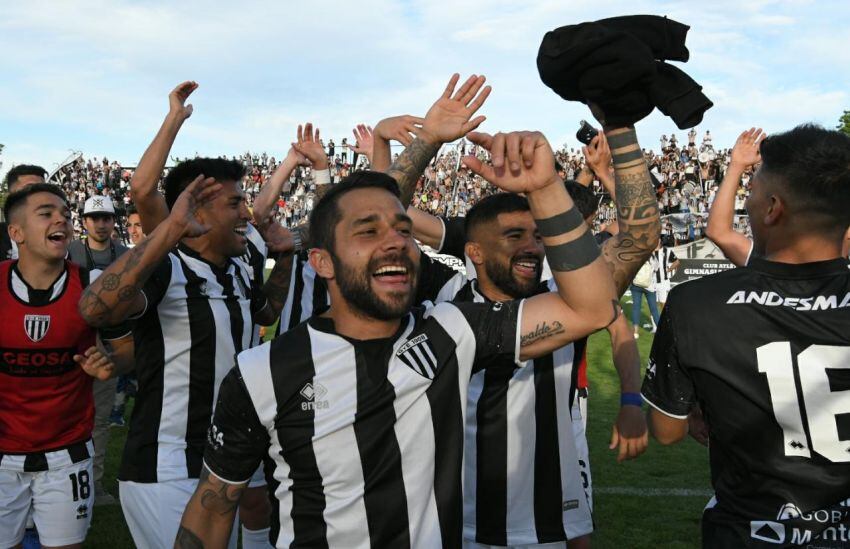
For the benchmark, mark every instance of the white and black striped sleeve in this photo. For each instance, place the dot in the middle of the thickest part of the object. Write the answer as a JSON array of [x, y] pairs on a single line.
[[496, 330], [433, 276], [236, 440], [156, 285], [454, 236]]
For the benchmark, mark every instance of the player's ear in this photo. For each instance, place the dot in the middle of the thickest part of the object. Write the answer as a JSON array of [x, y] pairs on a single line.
[[320, 260], [775, 210], [16, 231], [475, 253]]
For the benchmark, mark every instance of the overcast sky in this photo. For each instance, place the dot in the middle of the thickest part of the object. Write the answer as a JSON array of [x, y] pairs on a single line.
[[94, 75]]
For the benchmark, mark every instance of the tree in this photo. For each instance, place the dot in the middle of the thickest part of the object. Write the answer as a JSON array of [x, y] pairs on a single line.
[[844, 123]]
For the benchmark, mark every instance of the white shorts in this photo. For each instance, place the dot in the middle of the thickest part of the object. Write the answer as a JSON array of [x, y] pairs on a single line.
[[579, 415], [59, 500], [153, 509]]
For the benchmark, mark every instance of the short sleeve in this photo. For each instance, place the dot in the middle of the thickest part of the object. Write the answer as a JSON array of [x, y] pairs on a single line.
[[433, 275], [236, 440], [454, 236], [667, 385], [157, 284], [495, 328]]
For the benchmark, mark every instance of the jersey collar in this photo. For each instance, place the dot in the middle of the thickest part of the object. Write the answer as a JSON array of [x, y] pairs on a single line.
[[801, 270], [25, 293]]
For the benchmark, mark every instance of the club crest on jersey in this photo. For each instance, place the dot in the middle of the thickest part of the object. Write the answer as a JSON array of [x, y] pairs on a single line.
[[36, 326], [417, 355]]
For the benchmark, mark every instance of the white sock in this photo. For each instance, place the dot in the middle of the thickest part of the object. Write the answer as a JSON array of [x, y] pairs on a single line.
[[255, 539]]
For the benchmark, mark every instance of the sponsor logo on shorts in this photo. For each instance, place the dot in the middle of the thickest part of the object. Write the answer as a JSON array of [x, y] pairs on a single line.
[[82, 512], [570, 504]]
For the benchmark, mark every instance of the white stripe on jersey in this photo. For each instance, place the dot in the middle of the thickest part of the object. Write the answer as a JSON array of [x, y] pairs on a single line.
[[345, 513], [173, 313]]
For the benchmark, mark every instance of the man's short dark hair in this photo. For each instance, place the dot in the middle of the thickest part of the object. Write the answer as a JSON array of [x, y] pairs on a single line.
[[185, 172], [584, 198], [488, 208], [21, 170], [813, 164], [19, 198], [326, 214], [131, 209]]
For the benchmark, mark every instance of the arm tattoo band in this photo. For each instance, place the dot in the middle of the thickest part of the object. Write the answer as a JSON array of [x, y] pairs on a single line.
[[561, 223], [573, 255], [621, 140], [622, 158]]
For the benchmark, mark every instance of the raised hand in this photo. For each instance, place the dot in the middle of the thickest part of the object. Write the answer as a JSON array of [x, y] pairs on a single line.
[[295, 158], [746, 153], [201, 191], [95, 363], [363, 140], [399, 128], [277, 237], [177, 99], [522, 161], [598, 155], [449, 118], [311, 147]]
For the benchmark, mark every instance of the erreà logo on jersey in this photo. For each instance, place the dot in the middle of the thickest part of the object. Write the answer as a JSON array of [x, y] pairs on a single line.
[[36, 326], [313, 393], [417, 355]]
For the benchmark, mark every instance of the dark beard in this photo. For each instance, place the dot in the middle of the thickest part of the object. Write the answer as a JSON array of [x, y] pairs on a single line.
[[503, 277], [357, 291]]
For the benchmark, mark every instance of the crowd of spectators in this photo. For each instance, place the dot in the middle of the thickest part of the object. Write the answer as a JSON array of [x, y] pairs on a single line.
[[687, 175]]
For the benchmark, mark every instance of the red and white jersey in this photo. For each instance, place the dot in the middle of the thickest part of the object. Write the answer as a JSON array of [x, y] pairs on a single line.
[[45, 397]]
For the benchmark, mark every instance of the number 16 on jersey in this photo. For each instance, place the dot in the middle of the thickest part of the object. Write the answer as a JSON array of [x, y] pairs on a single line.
[[822, 405]]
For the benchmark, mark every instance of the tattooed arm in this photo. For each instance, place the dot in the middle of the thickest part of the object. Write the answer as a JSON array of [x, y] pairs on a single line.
[[209, 514], [637, 209], [586, 300], [447, 120], [116, 295], [149, 201]]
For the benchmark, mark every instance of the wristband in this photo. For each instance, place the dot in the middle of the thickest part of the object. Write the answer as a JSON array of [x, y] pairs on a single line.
[[321, 177], [631, 399], [561, 223]]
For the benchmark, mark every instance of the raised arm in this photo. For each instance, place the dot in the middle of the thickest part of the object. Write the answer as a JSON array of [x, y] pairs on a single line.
[[395, 128], [586, 299], [310, 146], [148, 200], [720, 230], [448, 119], [117, 295], [637, 209], [270, 191], [362, 142]]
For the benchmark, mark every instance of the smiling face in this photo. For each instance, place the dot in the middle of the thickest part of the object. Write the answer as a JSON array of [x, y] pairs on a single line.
[[510, 251], [227, 216], [375, 259], [134, 228], [42, 227]]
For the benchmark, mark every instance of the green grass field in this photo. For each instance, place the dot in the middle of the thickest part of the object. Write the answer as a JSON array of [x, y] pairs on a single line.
[[633, 504]]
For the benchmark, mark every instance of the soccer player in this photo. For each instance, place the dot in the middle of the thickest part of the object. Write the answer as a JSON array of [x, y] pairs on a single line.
[[195, 306], [17, 178], [48, 357], [765, 352]]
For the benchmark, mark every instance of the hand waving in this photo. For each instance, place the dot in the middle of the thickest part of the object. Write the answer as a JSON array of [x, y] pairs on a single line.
[[177, 99], [522, 161], [363, 140], [95, 363], [399, 128], [449, 118], [746, 153], [311, 147], [201, 191]]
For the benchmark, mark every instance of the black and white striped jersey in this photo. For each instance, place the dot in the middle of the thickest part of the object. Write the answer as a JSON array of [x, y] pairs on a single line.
[[198, 316], [661, 260], [308, 292], [362, 440], [519, 441], [255, 258]]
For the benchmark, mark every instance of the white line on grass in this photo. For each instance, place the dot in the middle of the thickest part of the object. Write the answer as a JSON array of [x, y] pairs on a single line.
[[632, 491]]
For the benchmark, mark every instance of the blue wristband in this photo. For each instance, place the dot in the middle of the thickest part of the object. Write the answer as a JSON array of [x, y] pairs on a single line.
[[631, 399]]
